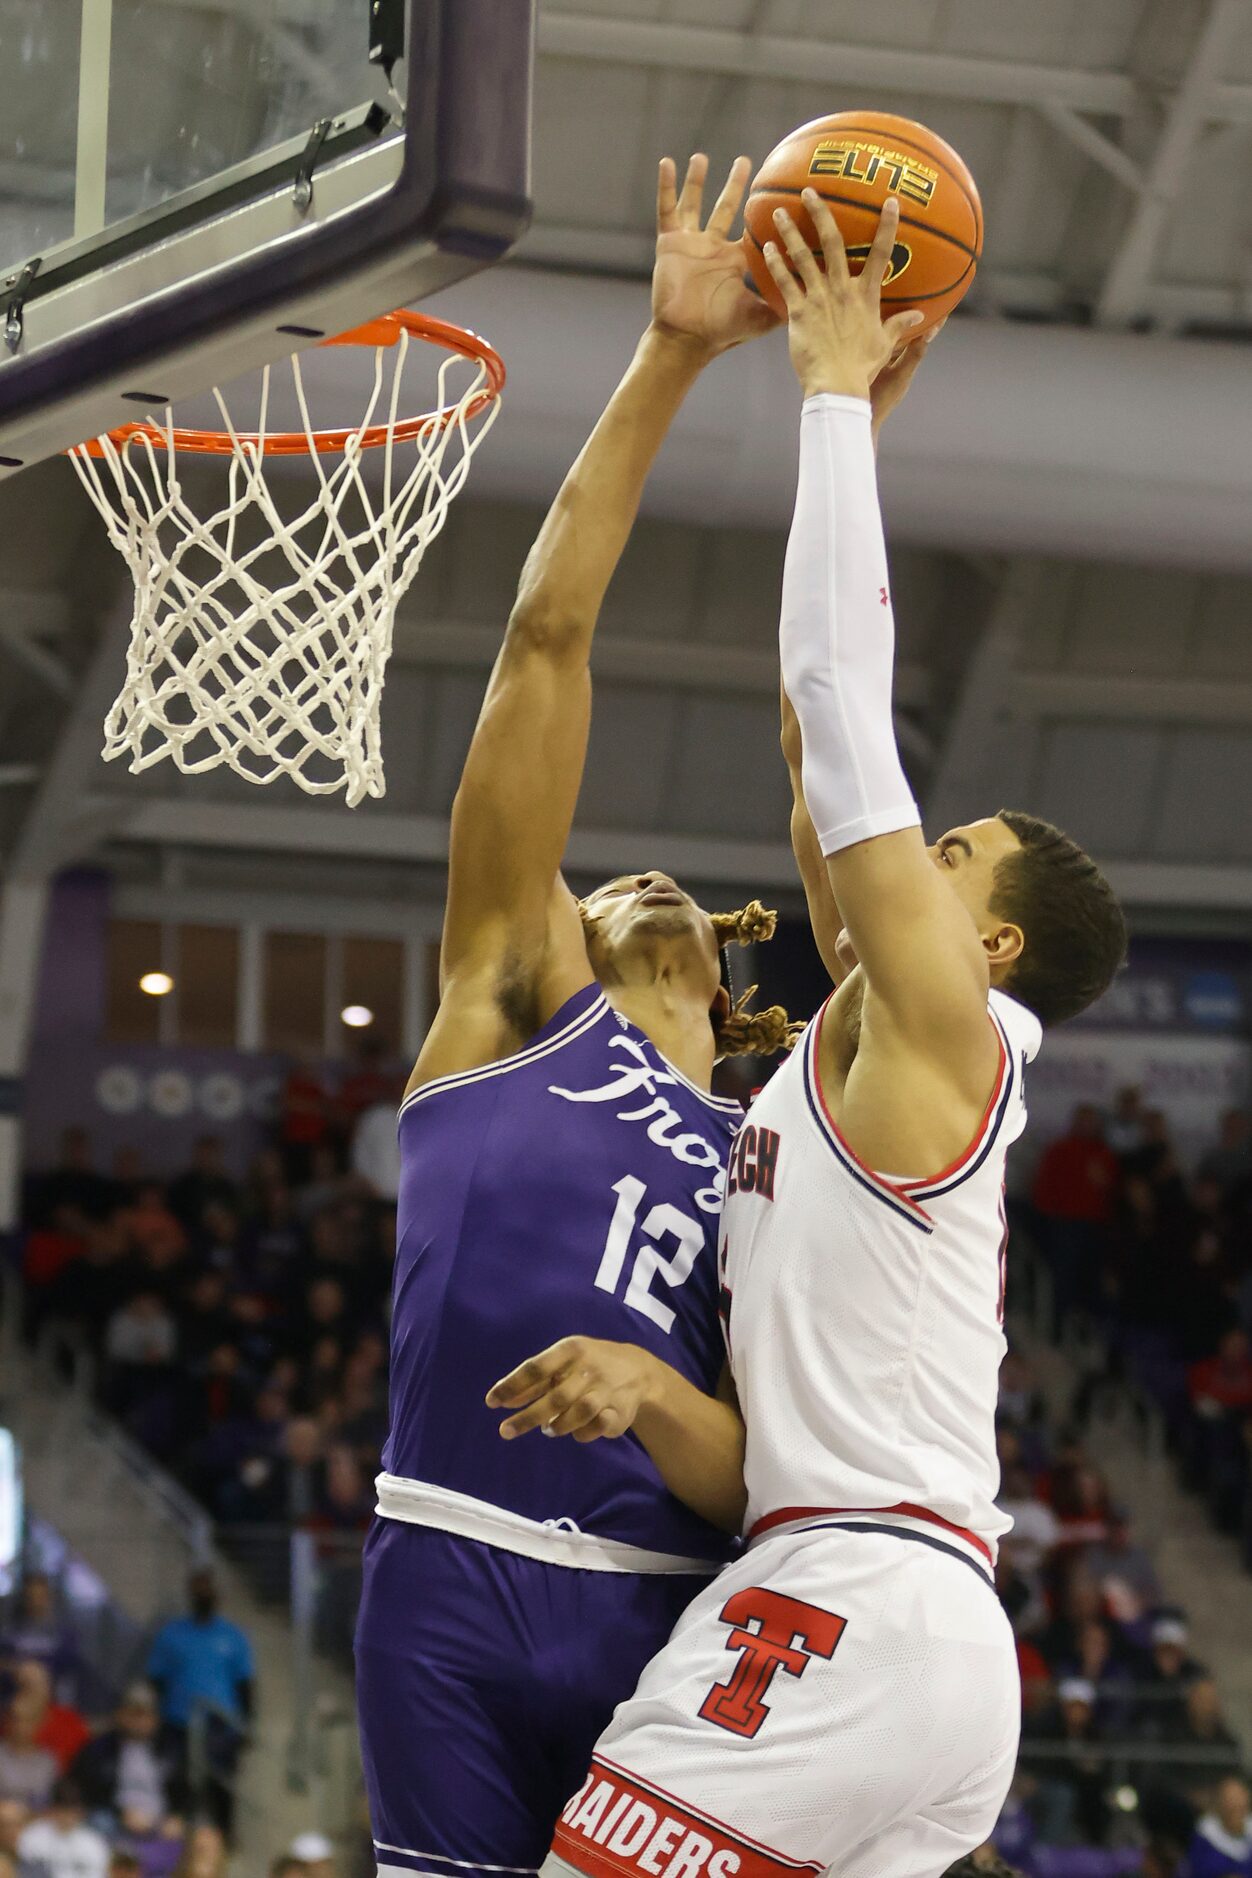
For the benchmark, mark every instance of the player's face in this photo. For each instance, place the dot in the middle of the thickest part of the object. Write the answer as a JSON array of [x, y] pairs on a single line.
[[967, 858], [638, 910]]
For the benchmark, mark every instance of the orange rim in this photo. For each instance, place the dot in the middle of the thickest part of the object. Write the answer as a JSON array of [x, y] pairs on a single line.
[[383, 331]]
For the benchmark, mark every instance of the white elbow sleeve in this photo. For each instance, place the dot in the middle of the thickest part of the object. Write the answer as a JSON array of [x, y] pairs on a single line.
[[838, 636]]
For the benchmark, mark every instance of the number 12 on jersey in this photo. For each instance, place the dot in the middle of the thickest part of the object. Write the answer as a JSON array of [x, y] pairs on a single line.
[[661, 1223]]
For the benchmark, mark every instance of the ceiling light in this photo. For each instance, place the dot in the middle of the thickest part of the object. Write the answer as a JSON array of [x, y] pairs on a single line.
[[357, 1016], [156, 984]]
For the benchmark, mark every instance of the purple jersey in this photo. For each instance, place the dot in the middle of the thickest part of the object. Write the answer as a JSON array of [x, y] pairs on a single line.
[[574, 1188]]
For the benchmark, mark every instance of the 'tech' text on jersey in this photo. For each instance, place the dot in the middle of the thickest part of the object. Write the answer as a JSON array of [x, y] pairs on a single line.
[[573, 1189], [864, 1313]]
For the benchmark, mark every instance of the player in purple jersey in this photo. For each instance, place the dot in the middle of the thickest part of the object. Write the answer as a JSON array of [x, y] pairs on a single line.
[[562, 1166]]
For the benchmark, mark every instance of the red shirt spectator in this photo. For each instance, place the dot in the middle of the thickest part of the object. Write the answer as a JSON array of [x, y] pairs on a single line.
[[151, 1227], [1224, 1379], [1077, 1177], [61, 1730], [49, 1249]]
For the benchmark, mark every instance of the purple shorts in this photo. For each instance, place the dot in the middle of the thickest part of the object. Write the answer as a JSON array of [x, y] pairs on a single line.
[[483, 1682]]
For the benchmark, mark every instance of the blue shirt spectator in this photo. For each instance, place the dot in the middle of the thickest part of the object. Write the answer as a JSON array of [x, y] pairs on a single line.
[[202, 1658], [1222, 1844]]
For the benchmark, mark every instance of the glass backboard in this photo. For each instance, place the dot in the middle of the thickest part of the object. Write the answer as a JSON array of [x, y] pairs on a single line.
[[189, 189]]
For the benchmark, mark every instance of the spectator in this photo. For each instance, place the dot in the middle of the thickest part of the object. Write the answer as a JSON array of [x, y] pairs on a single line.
[[1169, 1671], [314, 1854], [1200, 1729], [14, 1818], [63, 1845], [202, 1668], [273, 1240], [1071, 1786], [126, 1771], [305, 1122], [73, 1181], [1222, 1846], [1100, 1660], [59, 1728], [204, 1854], [139, 1341], [284, 1866], [203, 1320], [152, 1227], [1224, 1381], [218, 1239], [204, 1183], [125, 1865], [1073, 1197], [1124, 1572], [38, 1635], [1125, 1130], [27, 1771], [1036, 1529], [1229, 1163], [325, 1184]]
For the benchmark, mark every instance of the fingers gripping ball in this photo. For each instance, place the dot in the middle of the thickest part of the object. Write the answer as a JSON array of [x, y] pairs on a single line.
[[856, 160]]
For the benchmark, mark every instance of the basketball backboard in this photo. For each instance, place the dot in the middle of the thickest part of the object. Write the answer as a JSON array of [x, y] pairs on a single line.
[[188, 190]]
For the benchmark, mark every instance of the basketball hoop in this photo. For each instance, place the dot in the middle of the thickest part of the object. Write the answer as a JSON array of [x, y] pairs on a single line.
[[260, 639]]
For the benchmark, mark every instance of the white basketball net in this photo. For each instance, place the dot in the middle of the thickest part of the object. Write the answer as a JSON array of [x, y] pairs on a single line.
[[265, 647]]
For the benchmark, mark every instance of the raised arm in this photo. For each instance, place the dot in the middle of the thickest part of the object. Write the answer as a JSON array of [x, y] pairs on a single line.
[[512, 946], [925, 964], [887, 391], [824, 915]]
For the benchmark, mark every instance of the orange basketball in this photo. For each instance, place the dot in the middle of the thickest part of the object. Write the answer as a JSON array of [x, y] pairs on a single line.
[[856, 160]]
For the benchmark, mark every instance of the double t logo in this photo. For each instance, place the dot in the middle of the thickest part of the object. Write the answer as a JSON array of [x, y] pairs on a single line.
[[787, 1634]]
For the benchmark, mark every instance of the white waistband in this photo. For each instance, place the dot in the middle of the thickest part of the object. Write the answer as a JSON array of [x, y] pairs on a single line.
[[418, 1504]]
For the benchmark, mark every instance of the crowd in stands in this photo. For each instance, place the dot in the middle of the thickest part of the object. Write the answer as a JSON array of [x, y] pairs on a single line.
[[1158, 1259], [120, 1795], [239, 1326], [239, 1331]]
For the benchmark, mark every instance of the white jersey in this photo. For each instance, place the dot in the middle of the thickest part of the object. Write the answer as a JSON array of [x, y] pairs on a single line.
[[865, 1313]]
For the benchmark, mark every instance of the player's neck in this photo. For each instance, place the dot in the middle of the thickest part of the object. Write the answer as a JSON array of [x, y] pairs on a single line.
[[674, 1021]]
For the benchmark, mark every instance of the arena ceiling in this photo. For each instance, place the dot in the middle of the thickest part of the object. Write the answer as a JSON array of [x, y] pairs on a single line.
[[1101, 672]]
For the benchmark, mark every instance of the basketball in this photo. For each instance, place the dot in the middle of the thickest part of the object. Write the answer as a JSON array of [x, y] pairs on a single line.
[[856, 160]]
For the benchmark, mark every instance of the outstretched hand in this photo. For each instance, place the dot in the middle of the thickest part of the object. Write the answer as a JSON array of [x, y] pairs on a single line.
[[698, 287], [839, 339]]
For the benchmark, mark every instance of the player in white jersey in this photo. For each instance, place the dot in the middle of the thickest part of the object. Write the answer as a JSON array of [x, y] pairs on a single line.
[[844, 1697]]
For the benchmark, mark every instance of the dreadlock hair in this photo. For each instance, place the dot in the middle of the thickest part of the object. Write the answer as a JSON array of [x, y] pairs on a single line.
[[1074, 929], [743, 1032], [990, 1865]]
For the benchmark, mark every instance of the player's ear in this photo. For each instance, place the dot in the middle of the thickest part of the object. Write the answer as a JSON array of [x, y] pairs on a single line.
[[1003, 944], [720, 1008]]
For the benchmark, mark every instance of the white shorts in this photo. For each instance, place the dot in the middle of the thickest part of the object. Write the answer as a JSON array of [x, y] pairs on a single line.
[[835, 1701]]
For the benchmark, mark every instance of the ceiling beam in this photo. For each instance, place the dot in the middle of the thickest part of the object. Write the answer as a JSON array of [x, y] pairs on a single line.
[[1192, 106], [734, 54], [387, 836], [1172, 701], [1093, 143], [668, 664], [394, 837], [1175, 884]]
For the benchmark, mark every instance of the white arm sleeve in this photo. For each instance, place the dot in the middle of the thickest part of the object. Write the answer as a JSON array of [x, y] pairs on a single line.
[[838, 636]]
